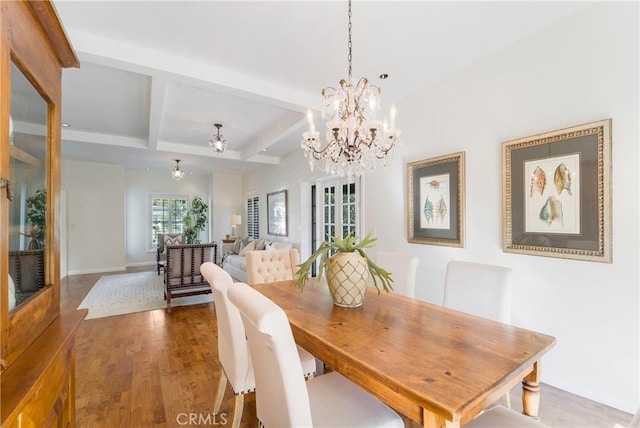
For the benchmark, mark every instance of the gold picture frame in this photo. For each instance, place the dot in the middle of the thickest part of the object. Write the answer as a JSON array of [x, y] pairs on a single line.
[[435, 199], [557, 193]]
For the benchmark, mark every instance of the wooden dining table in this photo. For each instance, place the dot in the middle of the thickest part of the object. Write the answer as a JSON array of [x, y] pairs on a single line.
[[436, 366]]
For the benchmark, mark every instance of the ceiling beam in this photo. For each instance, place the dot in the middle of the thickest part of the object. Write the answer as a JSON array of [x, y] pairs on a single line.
[[124, 55], [279, 130], [156, 104]]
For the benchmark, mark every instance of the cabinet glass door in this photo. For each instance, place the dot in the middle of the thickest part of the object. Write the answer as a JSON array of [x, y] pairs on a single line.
[[28, 190]]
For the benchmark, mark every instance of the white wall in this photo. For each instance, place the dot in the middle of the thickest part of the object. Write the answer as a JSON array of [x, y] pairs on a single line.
[[139, 185], [107, 213], [581, 70], [294, 176], [95, 215], [227, 199]]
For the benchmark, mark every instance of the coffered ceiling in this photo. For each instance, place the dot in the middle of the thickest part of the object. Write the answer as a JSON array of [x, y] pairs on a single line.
[[156, 75]]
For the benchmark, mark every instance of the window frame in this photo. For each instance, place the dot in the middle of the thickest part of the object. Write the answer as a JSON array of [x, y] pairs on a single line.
[[151, 196]]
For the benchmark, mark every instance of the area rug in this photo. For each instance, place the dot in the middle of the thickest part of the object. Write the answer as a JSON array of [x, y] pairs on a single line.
[[132, 292]]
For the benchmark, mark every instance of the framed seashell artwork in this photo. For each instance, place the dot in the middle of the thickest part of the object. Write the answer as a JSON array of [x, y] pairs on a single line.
[[435, 195], [557, 193]]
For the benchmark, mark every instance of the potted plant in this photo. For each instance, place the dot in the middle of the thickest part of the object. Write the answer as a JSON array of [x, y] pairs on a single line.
[[348, 268], [195, 220], [36, 213]]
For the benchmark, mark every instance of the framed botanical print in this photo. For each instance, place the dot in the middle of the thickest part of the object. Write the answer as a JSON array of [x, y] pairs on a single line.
[[435, 199], [277, 213], [557, 193]]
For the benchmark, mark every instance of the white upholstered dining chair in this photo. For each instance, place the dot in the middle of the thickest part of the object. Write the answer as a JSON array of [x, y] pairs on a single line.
[[501, 417], [283, 399], [271, 265], [236, 367], [403, 269], [479, 289]]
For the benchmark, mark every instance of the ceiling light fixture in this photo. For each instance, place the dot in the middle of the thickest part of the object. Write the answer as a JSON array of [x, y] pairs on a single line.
[[356, 141], [218, 143], [176, 173]]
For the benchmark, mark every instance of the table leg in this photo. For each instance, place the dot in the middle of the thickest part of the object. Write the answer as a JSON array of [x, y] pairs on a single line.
[[431, 420], [531, 392]]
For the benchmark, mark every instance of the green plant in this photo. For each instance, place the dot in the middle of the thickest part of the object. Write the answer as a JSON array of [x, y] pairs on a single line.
[[348, 244], [195, 220], [36, 213]]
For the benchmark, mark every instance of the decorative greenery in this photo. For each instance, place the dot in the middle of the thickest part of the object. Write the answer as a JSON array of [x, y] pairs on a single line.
[[347, 245], [36, 213], [195, 220]]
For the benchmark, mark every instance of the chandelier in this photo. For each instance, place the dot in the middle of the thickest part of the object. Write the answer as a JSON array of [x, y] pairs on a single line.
[[218, 143], [356, 140], [176, 173]]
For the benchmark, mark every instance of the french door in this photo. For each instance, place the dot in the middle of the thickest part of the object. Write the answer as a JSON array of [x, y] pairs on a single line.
[[335, 208]]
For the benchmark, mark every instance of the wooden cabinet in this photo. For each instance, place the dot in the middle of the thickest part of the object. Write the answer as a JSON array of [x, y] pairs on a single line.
[[37, 342]]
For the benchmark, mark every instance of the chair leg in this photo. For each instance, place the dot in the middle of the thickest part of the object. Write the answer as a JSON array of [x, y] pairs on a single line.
[[237, 412], [222, 383]]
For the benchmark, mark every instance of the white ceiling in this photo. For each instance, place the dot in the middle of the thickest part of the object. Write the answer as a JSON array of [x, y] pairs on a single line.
[[156, 75]]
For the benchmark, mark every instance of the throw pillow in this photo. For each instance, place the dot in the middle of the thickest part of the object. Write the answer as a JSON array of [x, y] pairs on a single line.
[[251, 246], [261, 244], [237, 246], [175, 240]]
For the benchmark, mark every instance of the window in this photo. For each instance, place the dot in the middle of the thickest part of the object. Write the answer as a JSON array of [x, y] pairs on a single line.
[[167, 212], [253, 217]]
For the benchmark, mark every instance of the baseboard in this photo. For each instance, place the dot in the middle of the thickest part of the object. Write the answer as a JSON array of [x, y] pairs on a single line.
[[101, 270], [142, 264]]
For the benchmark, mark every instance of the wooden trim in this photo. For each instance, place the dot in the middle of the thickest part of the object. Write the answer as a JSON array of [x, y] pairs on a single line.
[[47, 15]]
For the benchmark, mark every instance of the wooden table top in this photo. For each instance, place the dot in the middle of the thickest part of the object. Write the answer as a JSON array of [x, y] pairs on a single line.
[[421, 359]]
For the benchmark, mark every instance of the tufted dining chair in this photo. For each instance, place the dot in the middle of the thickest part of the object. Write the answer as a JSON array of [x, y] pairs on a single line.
[[403, 271], [271, 265], [233, 353], [283, 399], [479, 289]]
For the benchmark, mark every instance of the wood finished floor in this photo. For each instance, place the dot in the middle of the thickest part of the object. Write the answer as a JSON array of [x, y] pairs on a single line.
[[153, 369]]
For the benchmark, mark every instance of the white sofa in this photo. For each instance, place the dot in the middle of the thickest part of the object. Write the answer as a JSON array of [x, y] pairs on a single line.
[[235, 263]]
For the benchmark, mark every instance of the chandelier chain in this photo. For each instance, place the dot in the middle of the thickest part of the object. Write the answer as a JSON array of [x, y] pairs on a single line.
[[349, 57]]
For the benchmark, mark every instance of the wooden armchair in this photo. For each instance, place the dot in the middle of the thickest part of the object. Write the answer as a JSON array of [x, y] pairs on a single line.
[[182, 270], [165, 239]]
